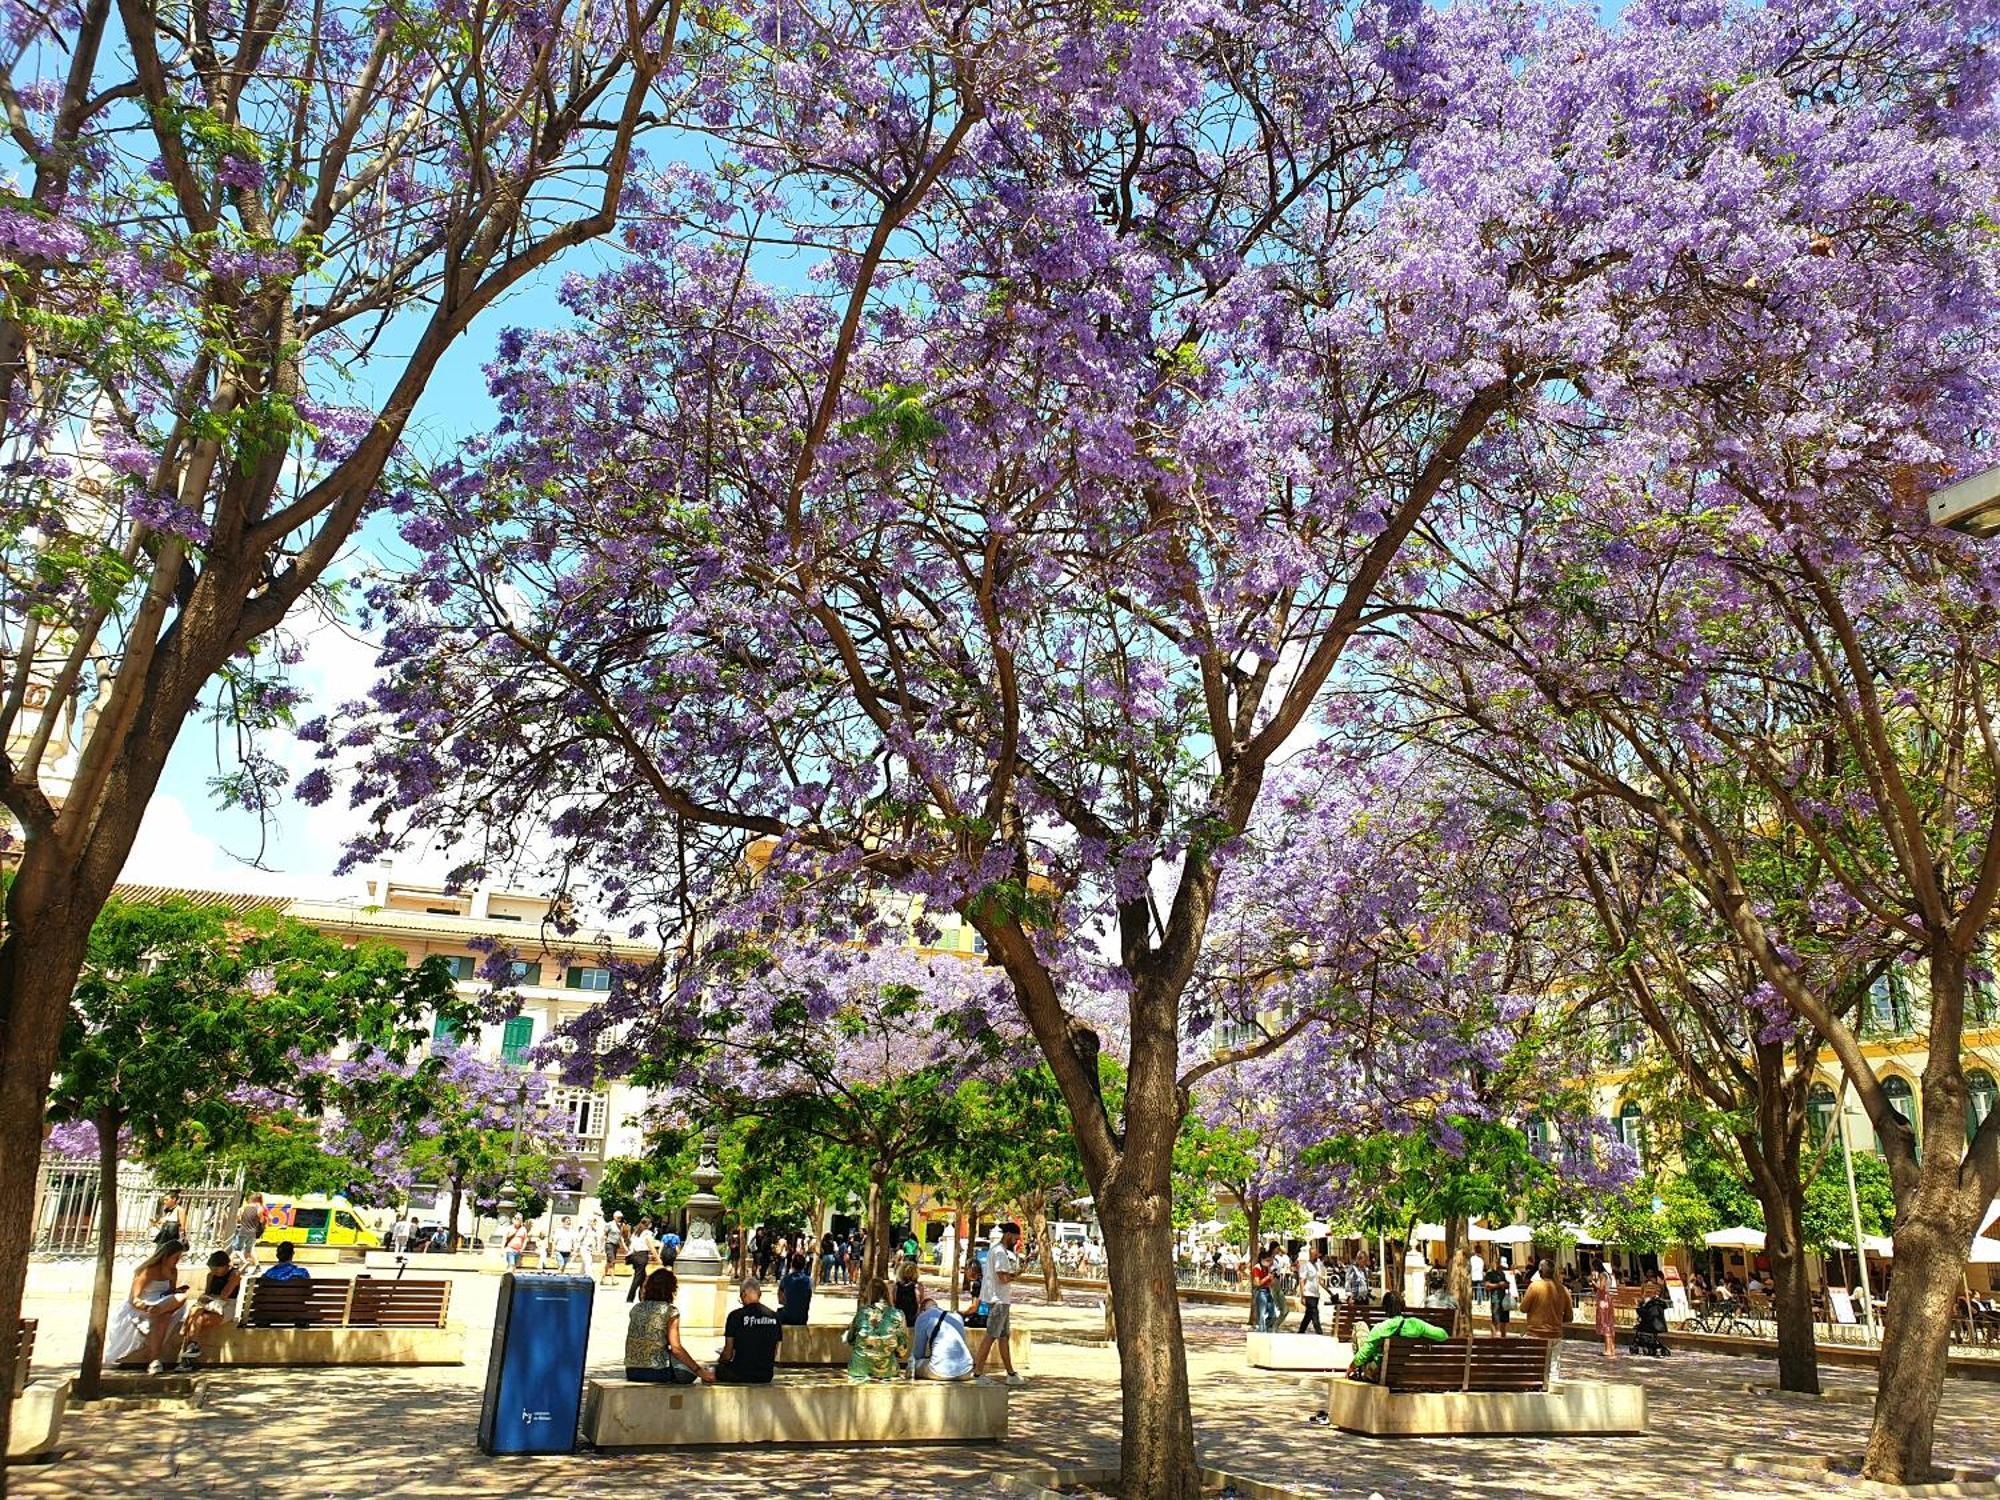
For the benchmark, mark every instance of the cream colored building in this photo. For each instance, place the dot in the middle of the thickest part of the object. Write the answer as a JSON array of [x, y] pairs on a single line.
[[558, 978]]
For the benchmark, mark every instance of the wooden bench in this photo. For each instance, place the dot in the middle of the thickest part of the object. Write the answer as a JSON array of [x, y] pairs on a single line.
[[1475, 1364], [24, 1354], [366, 1321], [1438, 1317], [1479, 1387], [365, 1302], [793, 1409]]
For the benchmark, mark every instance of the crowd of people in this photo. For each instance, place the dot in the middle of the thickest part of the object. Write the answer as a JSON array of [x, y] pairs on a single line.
[[900, 1328]]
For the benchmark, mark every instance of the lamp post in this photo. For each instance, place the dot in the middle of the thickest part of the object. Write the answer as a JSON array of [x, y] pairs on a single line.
[[1854, 1206]]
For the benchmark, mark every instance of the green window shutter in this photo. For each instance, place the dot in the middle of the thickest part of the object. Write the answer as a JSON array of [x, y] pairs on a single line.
[[574, 977], [515, 1038]]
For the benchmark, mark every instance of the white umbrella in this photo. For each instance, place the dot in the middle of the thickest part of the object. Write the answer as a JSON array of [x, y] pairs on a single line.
[[1512, 1234], [1478, 1231], [1879, 1245], [1985, 1252], [1737, 1237], [1583, 1234], [1427, 1232], [1316, 1230]]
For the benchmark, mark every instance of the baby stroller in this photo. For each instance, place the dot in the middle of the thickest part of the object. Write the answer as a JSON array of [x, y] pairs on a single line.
[[1648, 1333]]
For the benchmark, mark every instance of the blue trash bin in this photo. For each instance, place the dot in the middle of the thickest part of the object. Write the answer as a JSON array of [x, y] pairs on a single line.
[[534, 1375]]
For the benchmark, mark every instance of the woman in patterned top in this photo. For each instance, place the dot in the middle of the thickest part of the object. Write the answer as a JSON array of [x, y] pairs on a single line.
[[653, 1337], [880, 1336]]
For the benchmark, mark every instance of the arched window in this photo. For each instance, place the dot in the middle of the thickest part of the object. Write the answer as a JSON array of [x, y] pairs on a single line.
[[1632, 1129], [1980, 1093], [1896, 1089], [1821, 1103], [1539, 1136]]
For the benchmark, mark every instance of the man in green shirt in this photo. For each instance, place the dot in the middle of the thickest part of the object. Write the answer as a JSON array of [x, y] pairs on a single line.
[[1395, 1324]]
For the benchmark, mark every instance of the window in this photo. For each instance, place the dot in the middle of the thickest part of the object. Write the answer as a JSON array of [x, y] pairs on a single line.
[[582, 977], [443, 1032], [1539, 1136], [310, 1218], [346, 1220], [1889, 1006], [462, 966], [1980, 1093], [1896, 1089], [1982, 998], [441, 911], [587, 1111], [516, 1038], [1820, 1107], [1632, 1129], [520, 972]]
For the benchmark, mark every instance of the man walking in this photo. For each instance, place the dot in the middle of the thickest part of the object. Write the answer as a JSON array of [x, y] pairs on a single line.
[[997, 1292], [1546, 1306]]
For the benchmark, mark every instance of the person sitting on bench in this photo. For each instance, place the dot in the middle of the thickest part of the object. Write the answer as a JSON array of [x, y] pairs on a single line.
[[287, 1269], [653, 1349], [750, 1339], [939, 1348], [1395, 1324]]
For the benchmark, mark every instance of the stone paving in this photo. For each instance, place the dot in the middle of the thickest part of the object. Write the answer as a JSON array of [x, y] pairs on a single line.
[[301, 1434]]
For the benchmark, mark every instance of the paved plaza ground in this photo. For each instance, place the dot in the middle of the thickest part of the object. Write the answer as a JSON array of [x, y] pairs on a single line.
[[301, 1434]]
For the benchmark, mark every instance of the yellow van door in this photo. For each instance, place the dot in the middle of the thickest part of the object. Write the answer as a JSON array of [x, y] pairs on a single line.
[[348, 1230]]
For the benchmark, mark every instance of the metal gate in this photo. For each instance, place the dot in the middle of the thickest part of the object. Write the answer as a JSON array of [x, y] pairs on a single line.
[[66, 1207]]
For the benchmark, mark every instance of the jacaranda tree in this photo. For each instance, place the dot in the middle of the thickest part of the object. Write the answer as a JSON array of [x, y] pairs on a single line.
[[243, 238], [998, 550]]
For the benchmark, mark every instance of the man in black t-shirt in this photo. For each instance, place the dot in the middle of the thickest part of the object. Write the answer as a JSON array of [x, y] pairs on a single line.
[[749, 1340]]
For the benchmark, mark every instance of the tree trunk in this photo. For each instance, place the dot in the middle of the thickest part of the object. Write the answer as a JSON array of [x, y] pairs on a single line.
[[1791, 1296], [107, 1255], [39, 958], [1253, 1219], [1934, 1229], [457, 1203], [1051, 1275], [1158, 1456], [875, 1260]]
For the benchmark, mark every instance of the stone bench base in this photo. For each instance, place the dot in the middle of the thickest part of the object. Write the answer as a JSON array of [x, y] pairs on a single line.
[[1296, 1351], [37, 1419], [336, 1346], [820, 1344], [634, 1414], [1582, 1407]]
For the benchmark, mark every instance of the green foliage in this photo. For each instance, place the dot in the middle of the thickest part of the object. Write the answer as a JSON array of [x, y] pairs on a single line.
[[1829, 1215], [183, 1012], [280, 1152], [1412, 1178]]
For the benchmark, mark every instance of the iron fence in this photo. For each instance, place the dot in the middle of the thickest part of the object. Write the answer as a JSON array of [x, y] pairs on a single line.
[[66, 1207]]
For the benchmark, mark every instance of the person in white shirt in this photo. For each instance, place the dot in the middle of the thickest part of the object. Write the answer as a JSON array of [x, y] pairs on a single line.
[[563, 1242], [589, 1238], [1475, 1269], [1309, 1290], [997, 1292], [939, 1346], [401, 1230]]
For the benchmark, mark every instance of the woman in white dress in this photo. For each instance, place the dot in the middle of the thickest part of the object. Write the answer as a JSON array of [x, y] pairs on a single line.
[[151, 1313]]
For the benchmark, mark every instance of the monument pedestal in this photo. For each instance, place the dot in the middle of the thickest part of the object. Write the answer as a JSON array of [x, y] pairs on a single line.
[[705, 1303]]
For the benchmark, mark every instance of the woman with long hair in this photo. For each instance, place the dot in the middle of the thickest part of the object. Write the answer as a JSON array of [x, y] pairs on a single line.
[[155, 1305]]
